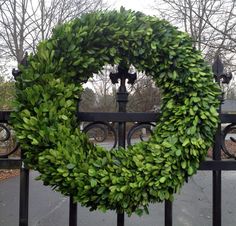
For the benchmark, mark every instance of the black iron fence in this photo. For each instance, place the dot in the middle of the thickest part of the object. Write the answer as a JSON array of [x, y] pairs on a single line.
[[103, 123]]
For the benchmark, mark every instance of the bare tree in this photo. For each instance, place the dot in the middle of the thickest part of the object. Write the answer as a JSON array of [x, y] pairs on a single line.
[[144, 95], [87, 100], [14, 21], [105, 91], [56, 12], [24, 23], [211, 23]]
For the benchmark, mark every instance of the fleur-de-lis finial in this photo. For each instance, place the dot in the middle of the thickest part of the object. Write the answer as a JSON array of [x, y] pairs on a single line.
[[219, 73], [24, 62]]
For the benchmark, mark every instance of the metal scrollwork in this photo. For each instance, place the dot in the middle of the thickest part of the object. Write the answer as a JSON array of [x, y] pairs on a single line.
[[101, 131], [141, 129], [229, 133], [7, 144], [4, 133]]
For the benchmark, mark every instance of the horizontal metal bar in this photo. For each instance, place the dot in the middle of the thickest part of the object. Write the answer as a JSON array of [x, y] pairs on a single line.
[[228, 118], [10, 163], [135, 117], [206, 165], [117, 116], [121, 117], [218, 165]]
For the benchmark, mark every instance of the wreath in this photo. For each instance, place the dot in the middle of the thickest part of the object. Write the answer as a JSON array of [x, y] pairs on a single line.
[[123, 180]]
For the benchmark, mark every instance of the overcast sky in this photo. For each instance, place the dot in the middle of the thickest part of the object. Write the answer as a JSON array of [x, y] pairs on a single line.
[[137, 5]]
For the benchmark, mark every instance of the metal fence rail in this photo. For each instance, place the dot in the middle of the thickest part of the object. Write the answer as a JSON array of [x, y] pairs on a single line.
[[214, 165]]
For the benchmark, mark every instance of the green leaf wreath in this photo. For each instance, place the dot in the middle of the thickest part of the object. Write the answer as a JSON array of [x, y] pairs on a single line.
[[123, 180]]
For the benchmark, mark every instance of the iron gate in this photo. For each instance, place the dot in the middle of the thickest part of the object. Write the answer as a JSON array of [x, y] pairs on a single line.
[[142, 120]]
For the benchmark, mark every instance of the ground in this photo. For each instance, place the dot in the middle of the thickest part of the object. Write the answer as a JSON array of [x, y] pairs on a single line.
[[4, 174]]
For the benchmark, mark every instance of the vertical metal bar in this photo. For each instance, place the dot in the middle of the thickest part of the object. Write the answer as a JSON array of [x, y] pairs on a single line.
[[73, 206], [73, 213], [218, 69], [24, 195], [168, 213], [24, 172], [217, 198], [121, 143], [216, 183], [122, 99], [120, 219]]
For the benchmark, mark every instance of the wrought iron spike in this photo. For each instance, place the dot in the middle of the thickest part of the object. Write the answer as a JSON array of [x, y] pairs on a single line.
[[132, 78], [24, 61], [218, 70], [218, 67], [114, 78], [123, 73], [226, 78], [15, 73]]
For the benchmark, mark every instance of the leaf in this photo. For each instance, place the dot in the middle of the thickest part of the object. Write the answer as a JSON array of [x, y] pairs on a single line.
[[195, 99], [77, 62], [184, 165], [26, 120], [167, 144], [92, 172], [190, 171], [178, 152], [112, 188], [35, 142], [70, 166], [124, 188], [186, 142], [112, 51], [169, 104], [153, 45], [93, 182], [213, 111], [175, 75], [101, 190], [64, 117], [65, 174], [149, 31], [139, 212], [71, 47], [173, 140], [162, 179], [191, 111]]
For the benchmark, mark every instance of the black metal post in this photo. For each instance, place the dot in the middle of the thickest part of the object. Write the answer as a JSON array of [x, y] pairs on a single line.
[[218, 69], [122, 99], [216, 180], [73, 213], [168, 213], [24, 172], [24, 194]]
